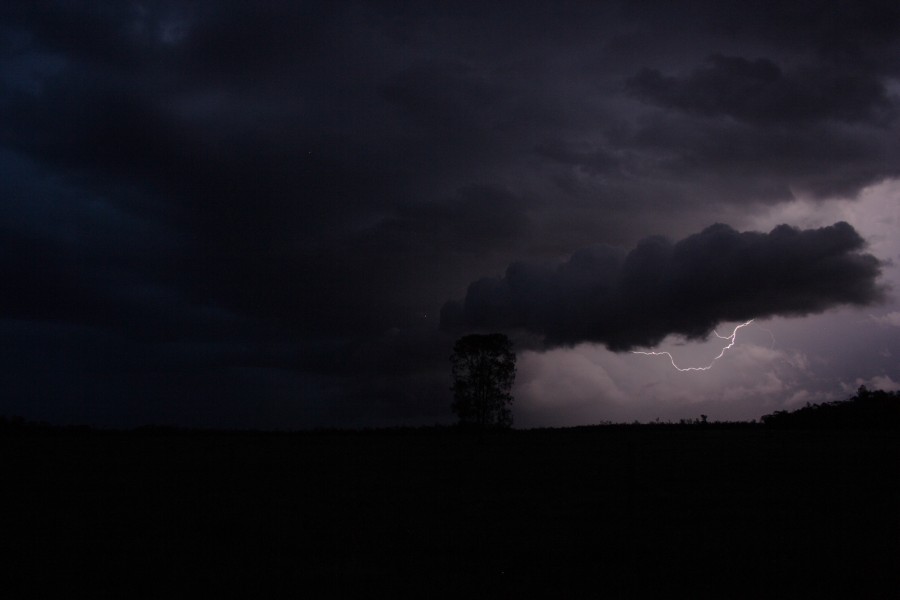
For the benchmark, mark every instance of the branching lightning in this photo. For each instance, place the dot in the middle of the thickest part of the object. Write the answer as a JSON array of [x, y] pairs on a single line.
[[731, 339]]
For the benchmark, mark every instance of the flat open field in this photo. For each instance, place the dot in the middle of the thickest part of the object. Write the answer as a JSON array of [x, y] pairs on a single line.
[[602, 512]]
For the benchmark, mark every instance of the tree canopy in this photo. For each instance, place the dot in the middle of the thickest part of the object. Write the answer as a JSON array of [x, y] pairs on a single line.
[[484, 368]]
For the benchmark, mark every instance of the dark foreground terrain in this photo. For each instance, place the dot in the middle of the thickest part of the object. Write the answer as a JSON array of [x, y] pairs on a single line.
[[605, 512]]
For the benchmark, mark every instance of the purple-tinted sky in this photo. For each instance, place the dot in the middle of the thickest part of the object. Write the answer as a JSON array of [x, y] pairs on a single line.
[[281, 214]]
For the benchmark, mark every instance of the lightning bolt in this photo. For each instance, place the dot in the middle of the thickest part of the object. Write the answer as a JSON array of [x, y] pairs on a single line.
[[731, 339]]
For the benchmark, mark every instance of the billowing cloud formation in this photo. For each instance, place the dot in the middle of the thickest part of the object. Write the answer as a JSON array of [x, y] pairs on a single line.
[[235, 214], [636, 299]]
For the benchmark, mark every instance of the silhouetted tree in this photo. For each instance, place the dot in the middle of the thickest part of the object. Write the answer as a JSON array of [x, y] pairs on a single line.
[[484, 368]]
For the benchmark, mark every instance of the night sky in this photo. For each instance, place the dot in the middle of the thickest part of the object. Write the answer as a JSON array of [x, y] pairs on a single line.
[[282, 214]]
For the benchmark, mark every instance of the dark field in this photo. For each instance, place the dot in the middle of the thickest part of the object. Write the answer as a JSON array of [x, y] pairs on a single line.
[[602, 512]]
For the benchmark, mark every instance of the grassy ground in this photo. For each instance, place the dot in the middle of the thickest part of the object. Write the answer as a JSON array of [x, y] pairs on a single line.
[[603, 512]]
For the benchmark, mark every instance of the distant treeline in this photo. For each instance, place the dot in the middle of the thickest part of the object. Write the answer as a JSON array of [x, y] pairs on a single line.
[[866, 410], [17, 424]]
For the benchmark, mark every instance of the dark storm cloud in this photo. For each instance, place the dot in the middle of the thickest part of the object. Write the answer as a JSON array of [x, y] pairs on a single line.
[[739, 129], [285, 193], [759, 91], [186, 135], [801, 102], [686, 288]]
